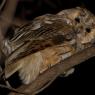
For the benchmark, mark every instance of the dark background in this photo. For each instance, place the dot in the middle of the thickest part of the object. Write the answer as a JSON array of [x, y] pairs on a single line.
[[28, 9], [82, 81]]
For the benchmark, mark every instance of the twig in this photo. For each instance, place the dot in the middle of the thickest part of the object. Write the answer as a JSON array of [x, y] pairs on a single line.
[[57, 70], [12, 89], [2, 4], [47, 85], [8, 14]]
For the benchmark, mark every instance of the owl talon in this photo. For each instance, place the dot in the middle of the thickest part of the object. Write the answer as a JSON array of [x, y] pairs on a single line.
[[68, 72]]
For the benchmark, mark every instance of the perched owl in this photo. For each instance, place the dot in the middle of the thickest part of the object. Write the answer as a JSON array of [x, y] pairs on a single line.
[[46, 41]]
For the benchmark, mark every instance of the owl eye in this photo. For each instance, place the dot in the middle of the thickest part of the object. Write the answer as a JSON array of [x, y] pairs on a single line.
[[77, 19], [88, 30]]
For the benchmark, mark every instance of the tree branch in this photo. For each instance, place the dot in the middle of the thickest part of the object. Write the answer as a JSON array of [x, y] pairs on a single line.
[[8, 14], [6, 18], [11, 89], [2, 4], [56, 70]]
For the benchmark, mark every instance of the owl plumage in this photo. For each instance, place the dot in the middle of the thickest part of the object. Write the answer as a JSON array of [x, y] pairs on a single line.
[[44, 42], [43, 50]]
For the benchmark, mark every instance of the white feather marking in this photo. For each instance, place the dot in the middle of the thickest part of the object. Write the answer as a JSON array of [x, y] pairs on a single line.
[[48, 22], [66, 55], [31, 68], [36, 26]]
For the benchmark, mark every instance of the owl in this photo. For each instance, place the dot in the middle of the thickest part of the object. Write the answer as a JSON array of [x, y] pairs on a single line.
[[45, 41]]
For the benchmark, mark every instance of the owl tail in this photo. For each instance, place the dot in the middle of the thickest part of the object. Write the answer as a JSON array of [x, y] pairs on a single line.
[[10, 69], [28, 68]]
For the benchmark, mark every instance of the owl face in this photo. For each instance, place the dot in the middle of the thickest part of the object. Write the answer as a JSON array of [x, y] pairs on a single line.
[[84, 22], [86, 27]]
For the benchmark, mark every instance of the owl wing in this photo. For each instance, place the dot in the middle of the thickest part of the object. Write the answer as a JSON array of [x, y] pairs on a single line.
[[41, 27], [29, 41]]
